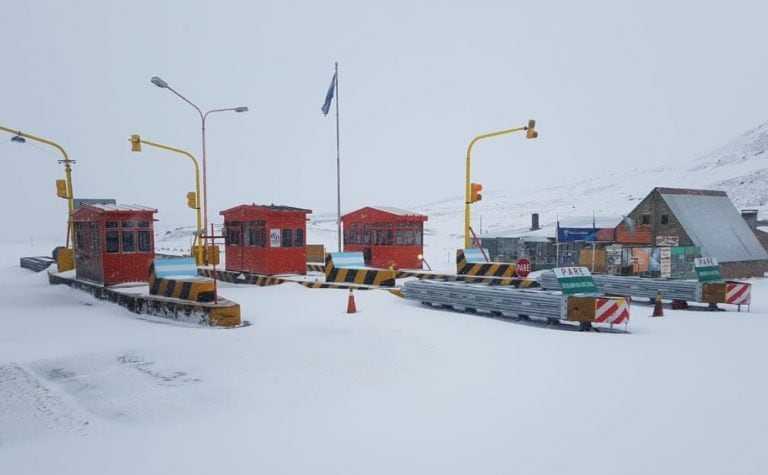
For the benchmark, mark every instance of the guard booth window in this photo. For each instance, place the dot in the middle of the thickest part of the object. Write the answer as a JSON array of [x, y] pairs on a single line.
[[129, 241], [292, 238], [145, 237], [256, 235], [80, 244], [408, 234], [112, 237], [351, 235], [234, 233], [383, 234], [126, 236], [287, 238]]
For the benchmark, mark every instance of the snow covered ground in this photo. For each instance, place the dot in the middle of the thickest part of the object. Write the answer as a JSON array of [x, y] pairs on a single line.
[[89, 388]]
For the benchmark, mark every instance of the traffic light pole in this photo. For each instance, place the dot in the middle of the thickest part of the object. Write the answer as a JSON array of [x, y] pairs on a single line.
[[67, 173], [136, 142], [468, 195]]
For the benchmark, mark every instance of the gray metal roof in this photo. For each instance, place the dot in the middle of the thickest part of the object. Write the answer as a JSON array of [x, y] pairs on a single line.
[[715, 225]]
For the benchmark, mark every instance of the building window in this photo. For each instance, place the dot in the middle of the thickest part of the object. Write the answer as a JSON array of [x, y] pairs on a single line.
[[298, 236], [234, 233], [145, 241], [646, 219], [351, 234], [664, 219], [95, 238], [287, 240], [129, 241], [113, 241], [256, 235], [79, 236], [383, 234], [110, 224]]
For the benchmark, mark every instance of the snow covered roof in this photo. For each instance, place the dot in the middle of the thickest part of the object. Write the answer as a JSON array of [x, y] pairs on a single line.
[[393, 210], [270, 207], [714, 224], [549, 230], [108, 207]]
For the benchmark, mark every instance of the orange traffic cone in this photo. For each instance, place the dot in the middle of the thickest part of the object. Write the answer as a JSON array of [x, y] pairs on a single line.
[[351, 308], [658, 310]]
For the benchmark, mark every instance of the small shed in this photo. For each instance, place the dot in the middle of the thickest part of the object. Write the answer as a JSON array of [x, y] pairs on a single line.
[[386, 236], [265, 239], [114, 244]]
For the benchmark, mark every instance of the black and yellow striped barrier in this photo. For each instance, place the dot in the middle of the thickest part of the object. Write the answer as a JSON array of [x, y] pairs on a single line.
[[315, 267], [332, 285], [224, 313], [184, 287], [352, 271], [234, 277], [471, 266]]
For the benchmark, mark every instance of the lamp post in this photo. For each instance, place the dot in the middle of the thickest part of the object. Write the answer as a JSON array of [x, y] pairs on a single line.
[[203, 116], [136, 142], [67, 173], [472, 192]]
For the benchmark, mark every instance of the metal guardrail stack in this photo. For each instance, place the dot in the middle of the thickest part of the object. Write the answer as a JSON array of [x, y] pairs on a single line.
[[503, 300], [688, 290], [37, 264]]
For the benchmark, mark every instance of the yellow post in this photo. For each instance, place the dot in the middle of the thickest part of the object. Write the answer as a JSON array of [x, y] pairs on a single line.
[[136, 147], [67, 173], [532, 134]]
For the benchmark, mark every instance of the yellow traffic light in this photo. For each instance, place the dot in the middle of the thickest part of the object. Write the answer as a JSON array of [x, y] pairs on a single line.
[[474, 192], [61, 188], [135, 143], [192, 200], [531, 132]]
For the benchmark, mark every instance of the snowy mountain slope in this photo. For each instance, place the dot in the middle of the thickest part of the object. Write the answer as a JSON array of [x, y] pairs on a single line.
[[738, 168]]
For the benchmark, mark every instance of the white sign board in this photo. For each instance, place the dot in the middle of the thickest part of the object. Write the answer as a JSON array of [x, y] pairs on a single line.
[[705, 262], [667, 241], [274, 237], [665, 255]]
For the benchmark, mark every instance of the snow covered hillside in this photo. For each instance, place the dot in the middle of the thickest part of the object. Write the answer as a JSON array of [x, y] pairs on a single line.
[[739, 168]]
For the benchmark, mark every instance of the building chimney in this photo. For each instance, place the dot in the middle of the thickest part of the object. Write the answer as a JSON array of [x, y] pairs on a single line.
[[750, 216], [535, 222]]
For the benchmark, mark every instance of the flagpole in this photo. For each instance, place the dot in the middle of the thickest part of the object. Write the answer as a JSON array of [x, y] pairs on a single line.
[[338, 159]]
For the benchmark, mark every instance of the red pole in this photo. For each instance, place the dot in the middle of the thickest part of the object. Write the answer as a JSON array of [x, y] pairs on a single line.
[[210, 249], [478, 244]]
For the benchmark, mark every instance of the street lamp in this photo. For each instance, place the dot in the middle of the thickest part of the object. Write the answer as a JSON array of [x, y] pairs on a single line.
[[203, 115], [192, 202], [472, 192], [20, 137]]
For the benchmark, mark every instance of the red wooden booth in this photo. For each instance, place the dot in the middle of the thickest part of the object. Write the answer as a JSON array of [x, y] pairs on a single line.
[[386, 236], [266, 240], [113, 243]]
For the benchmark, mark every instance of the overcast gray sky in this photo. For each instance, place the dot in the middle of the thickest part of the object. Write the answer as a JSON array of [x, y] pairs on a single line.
[[611, 84]]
